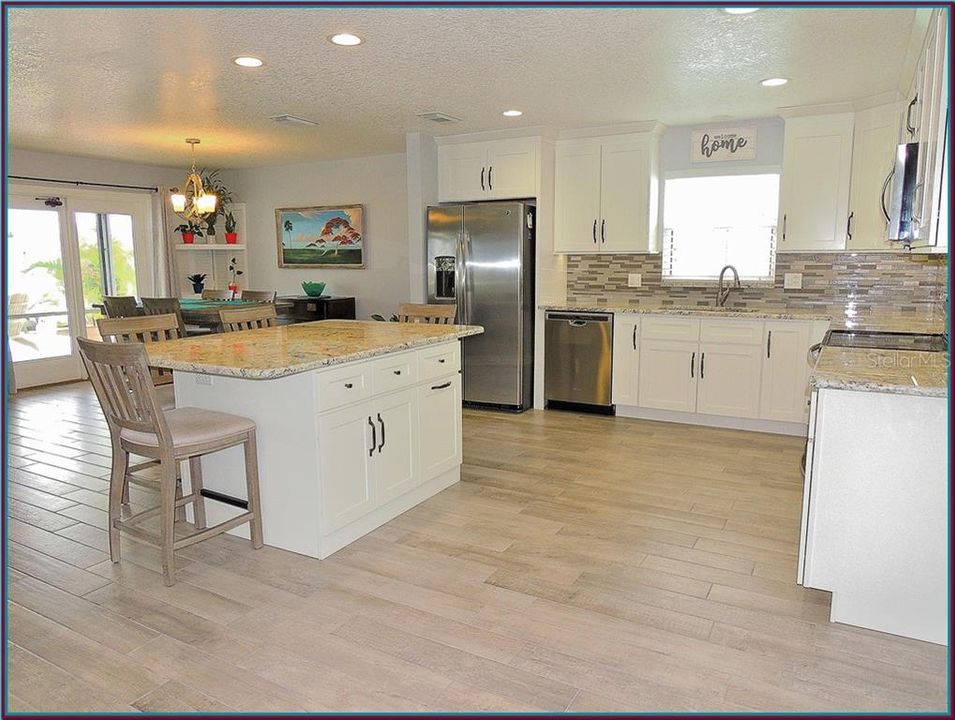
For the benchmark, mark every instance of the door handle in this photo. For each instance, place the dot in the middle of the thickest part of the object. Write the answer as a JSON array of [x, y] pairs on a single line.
[[595, 231], [577, 323], [769, 342], [702, 360], [784, 227], [442, 386], [490, 182], [885, 185], [603, 237], [692, 363], [374, 438], [482, 178], [634, 337], [849, 226], [382, 423], [908, 116]]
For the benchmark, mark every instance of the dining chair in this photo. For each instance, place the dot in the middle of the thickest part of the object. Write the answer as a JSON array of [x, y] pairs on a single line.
[[137, 425], [167, 305], [260, 295], [146, 329], [121, 306], [433, 314], [216, 294], [247, 318]]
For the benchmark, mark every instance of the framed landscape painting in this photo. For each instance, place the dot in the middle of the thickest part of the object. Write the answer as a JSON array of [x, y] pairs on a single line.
[[331, 236]]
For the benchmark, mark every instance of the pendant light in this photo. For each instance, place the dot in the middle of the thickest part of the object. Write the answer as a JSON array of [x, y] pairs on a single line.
[[193, 202]]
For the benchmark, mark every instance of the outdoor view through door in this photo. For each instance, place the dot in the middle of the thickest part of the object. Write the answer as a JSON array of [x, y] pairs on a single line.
[[64, 253]]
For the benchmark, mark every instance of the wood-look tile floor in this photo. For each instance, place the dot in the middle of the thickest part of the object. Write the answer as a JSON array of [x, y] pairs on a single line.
[[584, 563]]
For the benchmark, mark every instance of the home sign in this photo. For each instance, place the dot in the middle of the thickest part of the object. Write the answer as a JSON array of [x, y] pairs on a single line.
[[721, 144]]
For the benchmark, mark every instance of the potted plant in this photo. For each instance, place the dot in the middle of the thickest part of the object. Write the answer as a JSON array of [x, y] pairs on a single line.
[[234, 269], [190, 231], [231, 236], [198, 281], [213, 183]]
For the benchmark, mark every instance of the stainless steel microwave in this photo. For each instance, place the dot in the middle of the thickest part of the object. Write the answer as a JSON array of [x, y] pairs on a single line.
[[901, 214]]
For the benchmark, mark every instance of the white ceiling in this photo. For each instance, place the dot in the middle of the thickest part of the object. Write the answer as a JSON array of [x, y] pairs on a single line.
[[132, 83]]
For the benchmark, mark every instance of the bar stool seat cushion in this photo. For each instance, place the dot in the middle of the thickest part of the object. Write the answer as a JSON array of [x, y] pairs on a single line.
[[193, 426]]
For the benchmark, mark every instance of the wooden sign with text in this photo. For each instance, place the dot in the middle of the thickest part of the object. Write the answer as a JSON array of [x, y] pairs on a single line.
[[721, 144]]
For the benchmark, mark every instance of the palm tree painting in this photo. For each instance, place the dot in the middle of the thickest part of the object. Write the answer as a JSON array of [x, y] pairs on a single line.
[[329, 236]]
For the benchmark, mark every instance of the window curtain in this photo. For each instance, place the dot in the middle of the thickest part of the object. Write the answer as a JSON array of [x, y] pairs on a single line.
[[166, 272]]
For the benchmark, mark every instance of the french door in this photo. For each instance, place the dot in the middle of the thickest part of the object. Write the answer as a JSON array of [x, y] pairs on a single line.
[[64, 253]]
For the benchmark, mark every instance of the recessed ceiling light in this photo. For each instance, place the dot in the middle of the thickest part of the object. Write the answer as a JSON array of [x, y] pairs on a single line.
[[512, 113], [739, 10], [345, 39], [773, 82], [248, 61]]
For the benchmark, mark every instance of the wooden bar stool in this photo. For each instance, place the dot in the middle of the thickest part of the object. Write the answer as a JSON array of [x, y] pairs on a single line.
[[148, 328], [137, 425], [433, 314], [248, 318]]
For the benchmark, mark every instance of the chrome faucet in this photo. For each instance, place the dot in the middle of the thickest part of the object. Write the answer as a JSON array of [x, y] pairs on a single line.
[[723, 293]]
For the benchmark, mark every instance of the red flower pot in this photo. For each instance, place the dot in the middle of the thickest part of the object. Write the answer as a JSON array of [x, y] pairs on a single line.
[[231, 238], [188, 238]]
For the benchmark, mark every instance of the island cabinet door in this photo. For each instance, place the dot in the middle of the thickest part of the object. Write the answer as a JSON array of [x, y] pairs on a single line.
[[439, 410], [396, 454], [348, 445]]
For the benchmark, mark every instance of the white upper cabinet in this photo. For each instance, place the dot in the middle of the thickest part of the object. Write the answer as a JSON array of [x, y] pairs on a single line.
[[606, 194], [489, 170], [814, 194], [873, 158]]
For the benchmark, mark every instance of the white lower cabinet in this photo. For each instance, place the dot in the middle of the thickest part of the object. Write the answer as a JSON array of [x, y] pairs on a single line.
[[439, 413], [399, 432], [668, 374], [729, 367], [395, 461], [345, 452], [729, 380], [626, 359]]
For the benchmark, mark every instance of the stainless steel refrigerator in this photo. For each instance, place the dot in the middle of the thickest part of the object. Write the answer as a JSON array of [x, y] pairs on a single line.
[[481, 257]]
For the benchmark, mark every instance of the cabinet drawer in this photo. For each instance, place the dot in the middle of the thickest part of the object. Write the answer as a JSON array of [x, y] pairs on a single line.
[[435, 362], [395, 372], [735, 332], [343, 386], [662, 327]]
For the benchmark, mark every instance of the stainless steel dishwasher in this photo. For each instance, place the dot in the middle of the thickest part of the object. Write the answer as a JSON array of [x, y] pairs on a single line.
[[578, 360]]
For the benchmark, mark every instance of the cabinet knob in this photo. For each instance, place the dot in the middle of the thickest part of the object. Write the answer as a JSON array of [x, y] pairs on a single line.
[[397, 372], [349, 386]]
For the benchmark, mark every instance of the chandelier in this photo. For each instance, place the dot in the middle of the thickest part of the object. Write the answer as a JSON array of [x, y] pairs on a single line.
[[193, 202]]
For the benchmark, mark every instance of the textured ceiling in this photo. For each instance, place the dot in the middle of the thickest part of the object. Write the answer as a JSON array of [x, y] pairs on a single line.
[[132, 83]]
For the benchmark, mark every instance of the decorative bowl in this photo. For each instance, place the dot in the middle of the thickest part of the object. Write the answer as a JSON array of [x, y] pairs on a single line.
[[313, 289]]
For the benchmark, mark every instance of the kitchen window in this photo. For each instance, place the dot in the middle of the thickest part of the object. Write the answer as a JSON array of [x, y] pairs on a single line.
[[715, 220]]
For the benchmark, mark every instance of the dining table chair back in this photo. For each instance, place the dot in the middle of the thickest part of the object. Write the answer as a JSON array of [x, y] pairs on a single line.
[[433, 314], [146, 329], [247, 318], [260, 295], [165, 306], [120, 377], [216, 294], [121, 306]]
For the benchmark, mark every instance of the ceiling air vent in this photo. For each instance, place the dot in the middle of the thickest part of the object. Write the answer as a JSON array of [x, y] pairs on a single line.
[[293, 120], [438, 117]]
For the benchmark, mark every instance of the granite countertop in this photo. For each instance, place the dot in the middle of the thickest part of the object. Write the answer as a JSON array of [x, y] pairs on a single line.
[[892, 371], [902, 372], [276, 352]]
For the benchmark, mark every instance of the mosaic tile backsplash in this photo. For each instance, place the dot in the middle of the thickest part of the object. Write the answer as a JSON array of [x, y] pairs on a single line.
[[830, 281]]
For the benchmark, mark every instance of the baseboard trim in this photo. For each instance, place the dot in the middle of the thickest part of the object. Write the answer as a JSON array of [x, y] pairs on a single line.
[[775, 427]]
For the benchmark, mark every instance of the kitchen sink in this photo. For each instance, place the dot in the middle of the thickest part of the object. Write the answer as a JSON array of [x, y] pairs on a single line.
[[876, 340]]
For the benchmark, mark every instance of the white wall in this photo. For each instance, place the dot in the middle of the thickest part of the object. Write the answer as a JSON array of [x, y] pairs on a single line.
[[379, 183], [422, 159], [72, 167]]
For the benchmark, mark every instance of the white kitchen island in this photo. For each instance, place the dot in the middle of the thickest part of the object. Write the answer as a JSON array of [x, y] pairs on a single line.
[[356, 421]]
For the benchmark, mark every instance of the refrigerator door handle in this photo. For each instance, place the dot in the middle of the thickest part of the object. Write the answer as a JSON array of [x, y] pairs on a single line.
[[460, 280], [467, 284]]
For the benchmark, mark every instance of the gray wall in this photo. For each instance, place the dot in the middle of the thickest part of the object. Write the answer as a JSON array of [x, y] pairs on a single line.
[[379, 183]]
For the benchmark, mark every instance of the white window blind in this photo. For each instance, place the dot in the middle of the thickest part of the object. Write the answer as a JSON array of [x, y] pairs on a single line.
[[712, 221]]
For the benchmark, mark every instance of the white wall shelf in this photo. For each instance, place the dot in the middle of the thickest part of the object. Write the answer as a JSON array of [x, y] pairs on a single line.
[[210, 247]]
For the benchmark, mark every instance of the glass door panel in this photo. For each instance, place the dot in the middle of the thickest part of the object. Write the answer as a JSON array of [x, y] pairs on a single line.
[[40, 324]]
